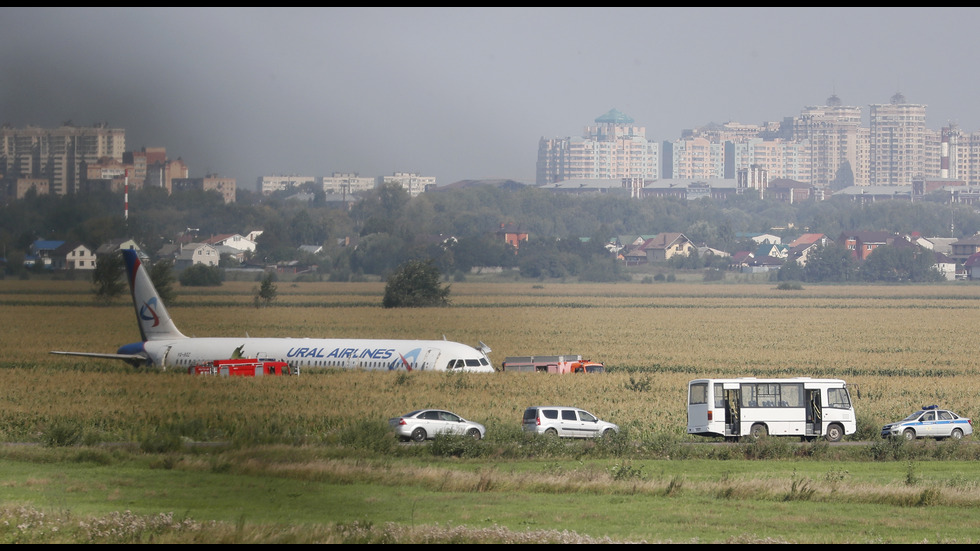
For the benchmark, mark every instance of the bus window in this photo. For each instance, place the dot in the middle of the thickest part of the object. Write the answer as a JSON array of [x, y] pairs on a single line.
[[838, 398], [699, 393], [791, 395], [772, 395], [719, 395]]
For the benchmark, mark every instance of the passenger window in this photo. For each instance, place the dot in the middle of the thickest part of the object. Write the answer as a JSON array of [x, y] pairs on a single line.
[[551, 413], [930, 416], [567, 415], [699, 394], [945, 416], [587, 417]]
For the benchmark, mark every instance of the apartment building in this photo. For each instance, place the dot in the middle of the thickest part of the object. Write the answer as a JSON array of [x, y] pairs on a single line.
[[57, 155], [833, 133], [226, 187], [898, 142], [269, 184], [347, 183], [611, 148], [413, 183]]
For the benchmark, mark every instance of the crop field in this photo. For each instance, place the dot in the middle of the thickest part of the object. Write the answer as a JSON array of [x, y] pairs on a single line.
[[901, 347]]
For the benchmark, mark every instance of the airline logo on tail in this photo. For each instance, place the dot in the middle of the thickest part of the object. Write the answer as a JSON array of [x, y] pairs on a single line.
[[148, 312]]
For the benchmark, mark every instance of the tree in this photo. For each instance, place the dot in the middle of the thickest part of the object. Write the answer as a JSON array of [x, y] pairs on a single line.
[[107, 277], [902, 262], [162, 276], [266, 294], [830, 263], [790, 271], [415, 283], [200, 275]]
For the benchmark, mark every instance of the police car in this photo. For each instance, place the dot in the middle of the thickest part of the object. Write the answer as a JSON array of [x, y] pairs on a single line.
[[930, 422]]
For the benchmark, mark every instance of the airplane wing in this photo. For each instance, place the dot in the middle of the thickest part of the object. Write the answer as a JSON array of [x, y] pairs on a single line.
[[135, 359]]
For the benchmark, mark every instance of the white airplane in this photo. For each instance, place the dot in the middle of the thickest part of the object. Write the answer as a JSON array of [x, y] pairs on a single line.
[[164, 346]]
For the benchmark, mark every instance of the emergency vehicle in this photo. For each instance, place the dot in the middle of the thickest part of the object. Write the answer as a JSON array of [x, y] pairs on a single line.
[[241, 367], [568, 363]]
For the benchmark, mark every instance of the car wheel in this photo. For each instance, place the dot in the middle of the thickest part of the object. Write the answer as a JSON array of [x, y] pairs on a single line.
[[551, 433], [418, 434], [758, 431], [909, 434], [608, 433], [473, 433], [957, 434], [834, 433]]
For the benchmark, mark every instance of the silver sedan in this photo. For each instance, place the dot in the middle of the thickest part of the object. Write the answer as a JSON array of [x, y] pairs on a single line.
[[423, 424]]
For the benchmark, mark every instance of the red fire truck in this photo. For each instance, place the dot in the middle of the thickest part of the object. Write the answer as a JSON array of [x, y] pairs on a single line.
[[241, 367]]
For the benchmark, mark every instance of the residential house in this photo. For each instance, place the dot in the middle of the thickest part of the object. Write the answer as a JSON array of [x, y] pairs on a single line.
[[862, 243], [939, 244], [114, 245], [972, 266], [635, 256], [759, 237], [40, 252], [774, 250], [196, 253], [73, 255], [666, 245], [740, 260], [763, 264], [963, 249], [704, 250], [233, 240], [513, 235], [809, 239], [801, 247], [946, 266], [311, 249]]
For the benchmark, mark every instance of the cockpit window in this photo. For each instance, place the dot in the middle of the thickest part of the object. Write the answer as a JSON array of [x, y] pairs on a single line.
[[473, 363]]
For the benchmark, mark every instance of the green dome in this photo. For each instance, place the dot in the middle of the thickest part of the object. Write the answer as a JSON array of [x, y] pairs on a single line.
[[616, 117]]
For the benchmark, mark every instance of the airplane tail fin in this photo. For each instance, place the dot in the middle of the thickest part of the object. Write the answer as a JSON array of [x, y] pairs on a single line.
[[154, 321]]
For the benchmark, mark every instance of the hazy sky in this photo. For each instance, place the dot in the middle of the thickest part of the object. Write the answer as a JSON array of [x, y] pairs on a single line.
[[460, 93]]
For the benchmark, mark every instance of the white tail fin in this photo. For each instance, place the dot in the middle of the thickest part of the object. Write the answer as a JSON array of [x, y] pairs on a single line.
[[151, 314]]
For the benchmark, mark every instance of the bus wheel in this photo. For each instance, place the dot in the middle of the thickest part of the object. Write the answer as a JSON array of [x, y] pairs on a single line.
[[834, 433], [758, 431]]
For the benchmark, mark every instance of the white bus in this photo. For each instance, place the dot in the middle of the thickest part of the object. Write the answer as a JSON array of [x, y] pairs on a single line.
[[751, 407]]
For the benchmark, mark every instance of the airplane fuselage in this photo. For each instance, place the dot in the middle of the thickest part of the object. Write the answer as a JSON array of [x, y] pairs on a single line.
[[164, 346], [410, 355]]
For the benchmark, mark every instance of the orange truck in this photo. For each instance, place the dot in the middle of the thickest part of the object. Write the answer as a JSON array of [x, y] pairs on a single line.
[[241, 367], [568, 363]]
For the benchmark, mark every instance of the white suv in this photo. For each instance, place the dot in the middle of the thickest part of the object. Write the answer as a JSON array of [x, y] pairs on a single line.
[[566, 422]]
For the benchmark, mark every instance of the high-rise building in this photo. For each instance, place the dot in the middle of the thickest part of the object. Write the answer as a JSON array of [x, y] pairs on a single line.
[[612, 148], [898, 142], [698, 158], [833, 132], [57, 155]]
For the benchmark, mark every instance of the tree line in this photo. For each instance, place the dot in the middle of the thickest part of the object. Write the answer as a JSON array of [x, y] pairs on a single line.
[[457, 229]]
